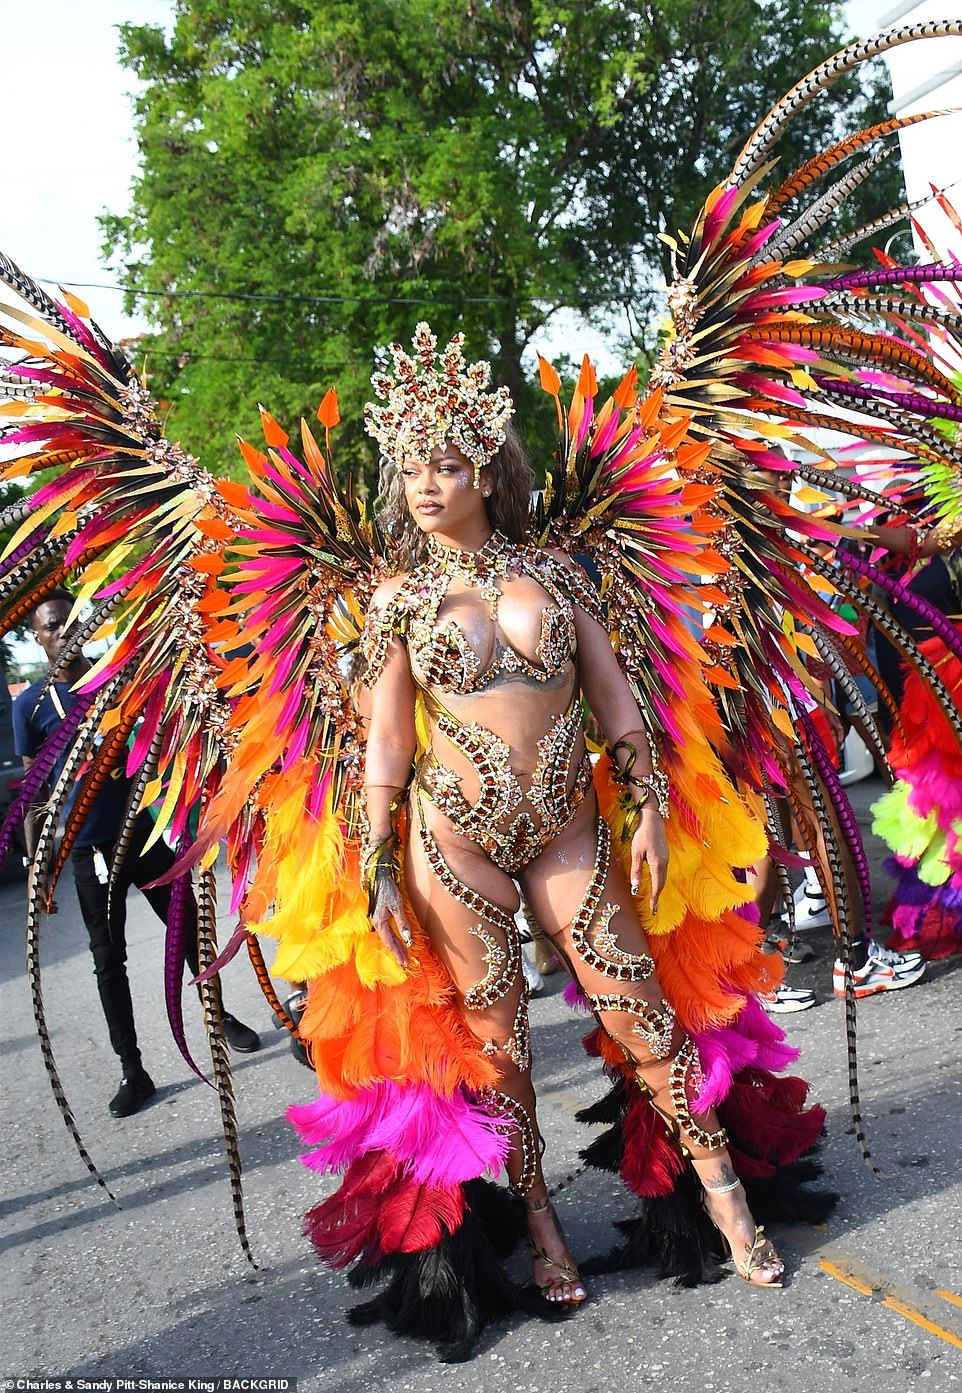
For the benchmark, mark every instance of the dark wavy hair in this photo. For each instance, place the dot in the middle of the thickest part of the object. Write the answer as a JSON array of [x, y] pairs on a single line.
[[508, 507]]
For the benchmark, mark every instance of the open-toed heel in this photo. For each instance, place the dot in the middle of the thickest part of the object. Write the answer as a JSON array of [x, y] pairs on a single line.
[[561, 1273], [757, 1257], [760, 1255]]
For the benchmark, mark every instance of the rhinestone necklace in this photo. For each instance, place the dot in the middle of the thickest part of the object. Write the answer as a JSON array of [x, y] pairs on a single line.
[[480, 568]]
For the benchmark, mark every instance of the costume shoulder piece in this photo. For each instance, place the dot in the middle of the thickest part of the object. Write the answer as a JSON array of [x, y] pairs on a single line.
[[571, 579], [387, 617]]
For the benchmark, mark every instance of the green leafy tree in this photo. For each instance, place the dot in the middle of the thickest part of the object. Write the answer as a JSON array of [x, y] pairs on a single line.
[[318, 176]]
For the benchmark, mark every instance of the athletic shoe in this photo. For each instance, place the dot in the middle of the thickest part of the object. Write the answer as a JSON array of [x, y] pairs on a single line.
[[785, 1000], [532, 976], [889, 957], [778, 939], [810, 884], [811, 911], [877, 977], [295, 1006], [132, 1094]]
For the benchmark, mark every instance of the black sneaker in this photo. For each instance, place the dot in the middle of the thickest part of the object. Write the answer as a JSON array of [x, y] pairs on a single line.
[[239, 1036], [131, 1095]]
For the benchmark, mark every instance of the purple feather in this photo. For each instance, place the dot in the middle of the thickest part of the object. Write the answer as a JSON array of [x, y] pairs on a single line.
[[928, 407], [935, 619], [39, 772], [751, 1041], [22, 551], [845, 813], [895, 275], [575, 997], [227, 953], [181, 921]]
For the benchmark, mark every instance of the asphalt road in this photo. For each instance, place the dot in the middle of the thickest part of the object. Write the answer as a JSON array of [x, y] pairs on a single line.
[[157, 1288]]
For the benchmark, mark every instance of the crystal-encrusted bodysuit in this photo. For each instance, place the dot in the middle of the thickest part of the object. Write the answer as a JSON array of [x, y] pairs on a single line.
[[491, 643], [465, 665]]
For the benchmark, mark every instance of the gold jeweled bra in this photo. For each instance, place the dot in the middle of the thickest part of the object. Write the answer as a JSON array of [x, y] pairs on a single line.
[[441, 654], [444, 661]]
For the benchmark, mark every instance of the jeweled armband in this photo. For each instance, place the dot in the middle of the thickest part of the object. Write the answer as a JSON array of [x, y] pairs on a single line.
[[654, 785], [380, 861]]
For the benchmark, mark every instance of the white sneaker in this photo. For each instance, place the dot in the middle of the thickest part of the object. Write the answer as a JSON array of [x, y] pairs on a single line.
[[531, 974], [889, 957], [785, 999], [810, 883], [877, 977], [811, 911]]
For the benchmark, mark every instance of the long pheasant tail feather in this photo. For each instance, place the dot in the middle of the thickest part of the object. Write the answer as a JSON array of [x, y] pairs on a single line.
[[868, 726], [843, 949], [844, 813], [39, 772], [835, 249], [28, 290], [932, 616], [93, 785], [79, 635], [767, 133], [266, 985], [210, 997], [899, 638], [132, 811], [820, 164], [43, 854], [859, 658], [181, 924], [781, 870]]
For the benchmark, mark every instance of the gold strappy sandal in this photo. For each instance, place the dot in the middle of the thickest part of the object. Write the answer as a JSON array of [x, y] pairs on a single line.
[[567, 1274], [760, 1255]]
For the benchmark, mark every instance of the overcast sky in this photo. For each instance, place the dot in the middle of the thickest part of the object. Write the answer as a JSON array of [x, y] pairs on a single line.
[[68, 148]]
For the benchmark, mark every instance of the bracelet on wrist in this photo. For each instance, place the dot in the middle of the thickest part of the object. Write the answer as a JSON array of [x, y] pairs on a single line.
[[380, 862], [654, 785], [947, 534]]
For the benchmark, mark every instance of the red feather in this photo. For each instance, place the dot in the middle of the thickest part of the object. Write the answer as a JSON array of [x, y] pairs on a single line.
[[415, 1217], [650, 1165], [767, 1118], [377, 1209]]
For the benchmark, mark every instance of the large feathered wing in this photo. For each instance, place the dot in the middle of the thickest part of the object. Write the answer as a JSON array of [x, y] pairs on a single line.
[[232, 614], [228, 611], [718, 519]]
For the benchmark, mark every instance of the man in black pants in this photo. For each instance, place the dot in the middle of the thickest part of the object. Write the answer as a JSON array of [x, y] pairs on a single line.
[[33, 721]]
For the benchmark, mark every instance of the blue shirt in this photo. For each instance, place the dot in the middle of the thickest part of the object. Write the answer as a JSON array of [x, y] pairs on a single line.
[[31, 729]]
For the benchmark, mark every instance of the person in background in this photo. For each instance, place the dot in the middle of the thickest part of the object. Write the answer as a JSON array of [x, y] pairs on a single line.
[[36, 715]]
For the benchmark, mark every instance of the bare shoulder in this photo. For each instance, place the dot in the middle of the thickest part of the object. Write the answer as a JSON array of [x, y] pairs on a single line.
[[575, 580], [388, 590]]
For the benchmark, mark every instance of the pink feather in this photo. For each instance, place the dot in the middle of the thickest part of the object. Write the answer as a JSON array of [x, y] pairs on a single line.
[[751, 1041], [439, 1141]]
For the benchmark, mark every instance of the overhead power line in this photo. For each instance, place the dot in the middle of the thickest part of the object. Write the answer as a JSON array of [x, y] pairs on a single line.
[[264, 298]]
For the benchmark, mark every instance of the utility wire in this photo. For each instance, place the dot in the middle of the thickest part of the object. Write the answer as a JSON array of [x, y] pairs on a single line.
[[256, 297]]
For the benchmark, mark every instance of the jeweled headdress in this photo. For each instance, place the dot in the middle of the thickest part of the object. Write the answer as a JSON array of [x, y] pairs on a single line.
[[437, 397]]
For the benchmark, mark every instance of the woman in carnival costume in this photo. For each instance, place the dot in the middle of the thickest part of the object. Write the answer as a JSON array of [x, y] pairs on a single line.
[[494, 642], [222, 693]]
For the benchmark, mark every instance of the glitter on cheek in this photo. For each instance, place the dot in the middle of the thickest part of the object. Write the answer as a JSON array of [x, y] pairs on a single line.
[[562, 857]]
